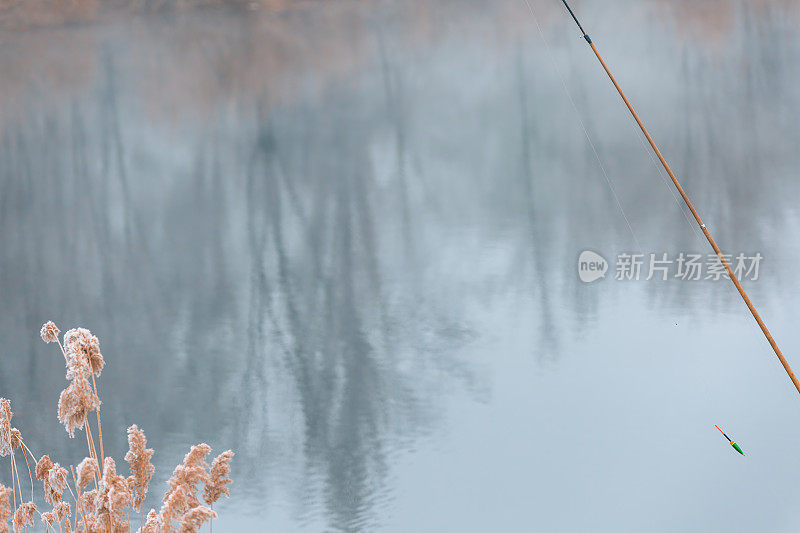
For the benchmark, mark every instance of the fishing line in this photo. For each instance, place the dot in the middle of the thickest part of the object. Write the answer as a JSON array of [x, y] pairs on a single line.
[[665, 180], [583, 127]]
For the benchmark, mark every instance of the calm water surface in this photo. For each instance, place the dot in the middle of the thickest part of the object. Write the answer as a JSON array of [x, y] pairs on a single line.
[[342, 240]]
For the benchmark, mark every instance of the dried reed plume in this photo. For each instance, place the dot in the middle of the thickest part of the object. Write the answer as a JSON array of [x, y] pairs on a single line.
[[5, 507], [48, 518], [53, 477], [154, 523], [75, 402], [62, 510], [83, 352], [195, 517], [112, 497], [216, 484], [141, 468], [43, 467], [5, 427], [16, 439], [86, 471], [106, 508], [23, 516], [49, 332], [182, 494]]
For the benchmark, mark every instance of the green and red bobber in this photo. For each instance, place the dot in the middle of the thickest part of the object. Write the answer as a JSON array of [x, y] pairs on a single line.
[[735, 446]]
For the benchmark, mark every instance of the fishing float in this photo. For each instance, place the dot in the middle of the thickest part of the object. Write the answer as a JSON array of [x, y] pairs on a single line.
[[694, 212], [732, 443]]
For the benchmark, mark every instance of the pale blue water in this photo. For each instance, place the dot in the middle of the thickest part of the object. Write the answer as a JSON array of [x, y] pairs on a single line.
[[343, 241]]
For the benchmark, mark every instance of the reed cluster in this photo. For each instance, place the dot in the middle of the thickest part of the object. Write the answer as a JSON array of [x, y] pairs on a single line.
[[93, 497]]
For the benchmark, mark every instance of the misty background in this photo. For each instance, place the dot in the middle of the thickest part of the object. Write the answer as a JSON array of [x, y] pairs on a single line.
[[341, 238]]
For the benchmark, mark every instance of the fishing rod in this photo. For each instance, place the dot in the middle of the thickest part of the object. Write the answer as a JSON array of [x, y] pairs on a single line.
[[688, 202]]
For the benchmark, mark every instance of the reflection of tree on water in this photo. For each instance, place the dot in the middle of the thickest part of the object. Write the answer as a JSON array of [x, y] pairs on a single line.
[[316, 301], [536, 249]]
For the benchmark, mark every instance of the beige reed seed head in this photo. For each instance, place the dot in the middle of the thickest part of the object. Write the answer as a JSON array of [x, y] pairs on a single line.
[[23, 516], [83, 353], [88, 501], [5, 427], [153, 524], [86, 471], [49, 332], [58, 478], [43, 467], [217, 482], [113, 495], [196, 455], [54, 479], [193, 469], [178, 501], [196, 517], [5, 507], [55, 484], [91, 523], [75, 403], [48, 518], [16, 439], [138, 458], [182, 494], [62, 510]]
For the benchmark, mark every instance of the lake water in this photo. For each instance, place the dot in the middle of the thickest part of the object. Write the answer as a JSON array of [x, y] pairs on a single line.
[[342, 239]]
